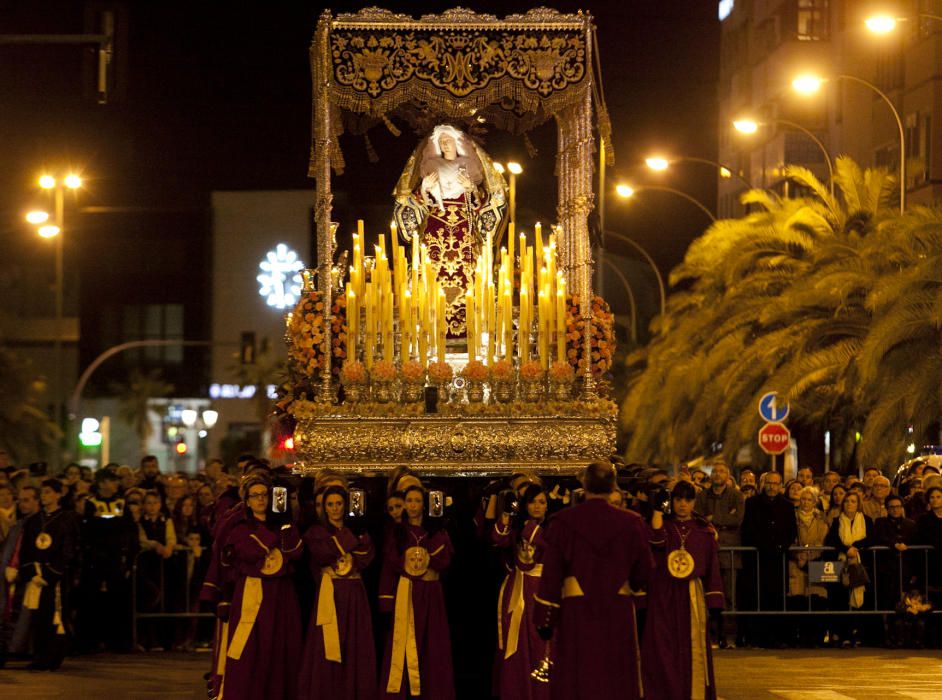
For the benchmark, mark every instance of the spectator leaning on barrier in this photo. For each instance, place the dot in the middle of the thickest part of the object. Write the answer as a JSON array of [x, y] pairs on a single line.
[[769, 526], [723, 506]]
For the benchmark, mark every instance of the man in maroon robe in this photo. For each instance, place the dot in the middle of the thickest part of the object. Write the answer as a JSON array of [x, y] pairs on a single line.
[[597, 558]]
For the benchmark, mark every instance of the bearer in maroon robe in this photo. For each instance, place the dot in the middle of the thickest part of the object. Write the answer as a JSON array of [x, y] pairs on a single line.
[[263, 650], [339, 656], [686, 582], [417, 661], [597, 557], [519, 646]]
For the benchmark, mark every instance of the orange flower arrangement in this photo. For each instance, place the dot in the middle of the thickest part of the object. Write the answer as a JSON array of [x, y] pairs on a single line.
[[602, 336], [440, 372], [305, 333], [561, 372], [531, 371], [476, 371], [353, 372], [413, 371], [502, 371], [384, 371]]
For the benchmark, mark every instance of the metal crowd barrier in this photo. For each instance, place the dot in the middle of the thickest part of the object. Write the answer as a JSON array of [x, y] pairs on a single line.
[[163, 613], [874, 584]]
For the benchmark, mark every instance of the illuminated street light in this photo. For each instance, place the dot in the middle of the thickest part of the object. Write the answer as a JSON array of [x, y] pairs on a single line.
[[750, 126], [808, 84], [514, 168], [624, 191], [657, 163], [37, 217], [660, 164], [73, 181], [49, 231], [881, 24], [47, 182], [210, 417], [499, 167]]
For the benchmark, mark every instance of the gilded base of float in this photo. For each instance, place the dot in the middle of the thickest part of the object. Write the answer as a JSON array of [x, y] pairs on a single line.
[[452, 445]]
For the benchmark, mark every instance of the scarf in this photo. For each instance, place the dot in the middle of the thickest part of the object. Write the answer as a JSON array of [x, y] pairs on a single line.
[[852, 530], [805, 519]]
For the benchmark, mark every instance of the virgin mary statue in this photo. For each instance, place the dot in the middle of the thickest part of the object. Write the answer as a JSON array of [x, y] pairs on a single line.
[[451, 196]]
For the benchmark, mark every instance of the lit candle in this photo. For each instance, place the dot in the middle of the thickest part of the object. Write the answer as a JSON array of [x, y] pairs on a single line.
[[469, 323], [405, 326], [510, 245], [353, 321], [442, 326], [508, 323], [538, 238], [523, 325], [561, 320], [542, 336]]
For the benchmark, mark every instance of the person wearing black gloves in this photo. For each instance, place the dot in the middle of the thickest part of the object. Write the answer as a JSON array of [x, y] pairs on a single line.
[[597, 558]]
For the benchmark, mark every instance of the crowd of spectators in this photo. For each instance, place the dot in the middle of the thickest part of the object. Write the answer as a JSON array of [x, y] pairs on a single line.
[[139, 539], [829, 544]]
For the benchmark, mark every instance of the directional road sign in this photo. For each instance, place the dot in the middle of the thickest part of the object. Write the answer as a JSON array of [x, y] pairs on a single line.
[[771, 409], [773, 438]]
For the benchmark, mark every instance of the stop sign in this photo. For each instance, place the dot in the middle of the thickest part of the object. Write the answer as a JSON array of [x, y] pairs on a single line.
[[773, 438]]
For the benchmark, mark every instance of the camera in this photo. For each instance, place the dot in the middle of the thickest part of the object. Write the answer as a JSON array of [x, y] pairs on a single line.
[[509, 502]]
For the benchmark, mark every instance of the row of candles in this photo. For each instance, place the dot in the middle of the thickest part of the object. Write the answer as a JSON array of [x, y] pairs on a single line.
[[413, 296]]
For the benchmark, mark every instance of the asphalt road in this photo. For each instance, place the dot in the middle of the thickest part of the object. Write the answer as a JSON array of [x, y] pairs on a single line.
[[860, 674]]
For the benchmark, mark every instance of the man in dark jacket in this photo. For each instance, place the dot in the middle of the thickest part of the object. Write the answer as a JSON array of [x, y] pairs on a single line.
[[895, 570], [769, 525]]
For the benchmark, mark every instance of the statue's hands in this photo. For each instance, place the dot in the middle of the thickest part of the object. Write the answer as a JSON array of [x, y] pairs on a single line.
[[465, 180], [431, 179]]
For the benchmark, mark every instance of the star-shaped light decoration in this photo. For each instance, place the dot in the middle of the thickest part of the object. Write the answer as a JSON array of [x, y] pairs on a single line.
[[280, 278]]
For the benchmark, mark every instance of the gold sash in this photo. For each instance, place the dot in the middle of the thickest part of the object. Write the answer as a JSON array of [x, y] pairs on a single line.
[[223, 645], [515, 608], [327, 615], [405, 653], [33, 591], [698, 641], [251, 603]]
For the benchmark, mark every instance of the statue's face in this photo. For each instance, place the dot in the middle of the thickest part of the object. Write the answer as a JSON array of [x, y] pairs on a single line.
[[448, 146]]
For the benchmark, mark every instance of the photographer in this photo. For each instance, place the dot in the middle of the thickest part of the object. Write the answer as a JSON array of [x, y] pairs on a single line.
[[519, 531]]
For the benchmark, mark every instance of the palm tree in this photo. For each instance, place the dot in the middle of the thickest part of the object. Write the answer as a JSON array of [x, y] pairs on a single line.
[[776, 300], [27, 432], [134, 398]]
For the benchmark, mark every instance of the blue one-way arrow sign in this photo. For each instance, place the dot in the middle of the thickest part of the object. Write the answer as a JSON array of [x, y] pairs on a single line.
[[772, 410]]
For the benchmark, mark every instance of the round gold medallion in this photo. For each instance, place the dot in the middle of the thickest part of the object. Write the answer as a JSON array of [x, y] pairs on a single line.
[[416, 561], [273, 562], [680, 563], [525, 552], [344, 565], [43, 540]]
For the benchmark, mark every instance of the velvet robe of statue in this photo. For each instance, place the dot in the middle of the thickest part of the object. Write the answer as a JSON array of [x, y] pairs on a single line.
[[519, 647], [676, 654], [344, 618], [422, 598], [597, 559], [267, 665]]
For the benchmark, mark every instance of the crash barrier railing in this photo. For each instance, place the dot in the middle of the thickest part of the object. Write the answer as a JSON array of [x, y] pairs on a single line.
[[181, 598], [898, 561]]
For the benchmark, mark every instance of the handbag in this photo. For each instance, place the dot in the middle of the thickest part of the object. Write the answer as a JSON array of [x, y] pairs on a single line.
[[854, 575]]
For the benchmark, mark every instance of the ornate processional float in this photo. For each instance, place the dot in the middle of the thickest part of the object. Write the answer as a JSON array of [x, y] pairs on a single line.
[[453, 343]]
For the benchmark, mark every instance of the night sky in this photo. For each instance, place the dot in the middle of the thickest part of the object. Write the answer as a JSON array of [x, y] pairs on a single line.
[[216, 95]]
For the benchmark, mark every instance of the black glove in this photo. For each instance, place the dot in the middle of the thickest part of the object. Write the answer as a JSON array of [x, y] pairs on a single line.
[[546, 633], [660, 499]]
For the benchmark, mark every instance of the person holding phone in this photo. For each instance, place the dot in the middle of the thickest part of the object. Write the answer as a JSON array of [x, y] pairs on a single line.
[[417, 661], [339, 655], [263, 643], [519, 647]]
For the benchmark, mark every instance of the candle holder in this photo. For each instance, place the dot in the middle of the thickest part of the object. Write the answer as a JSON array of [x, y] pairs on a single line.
[[532, 382], [412, 375], [502, 381], [441, 374], [475, 391], [353, 376], [561, 378]]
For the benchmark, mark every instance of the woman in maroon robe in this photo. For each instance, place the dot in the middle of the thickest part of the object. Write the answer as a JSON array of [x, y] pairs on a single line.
[[519, 647], [263, 650], [675, 652], [417, 660], [339, 657]]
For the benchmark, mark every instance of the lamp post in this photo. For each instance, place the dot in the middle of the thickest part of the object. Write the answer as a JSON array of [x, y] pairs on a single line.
[[749, 126], [884, 24], [660, 164], [58, 186], [809, 84]]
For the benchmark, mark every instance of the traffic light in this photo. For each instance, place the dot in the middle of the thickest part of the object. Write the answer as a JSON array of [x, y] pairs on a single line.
[[181, 448]]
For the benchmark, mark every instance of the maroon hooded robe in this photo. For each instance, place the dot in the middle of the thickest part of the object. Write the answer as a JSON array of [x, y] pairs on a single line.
[[430, 621], [520, 648], [596, 557], [677, 608], [352, 676], [266, 667]]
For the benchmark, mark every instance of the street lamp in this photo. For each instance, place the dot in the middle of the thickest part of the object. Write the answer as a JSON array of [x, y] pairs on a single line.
[[58, 186], [884, 24], [626, 191], [750, 126], [660, 164], [809, 84]]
